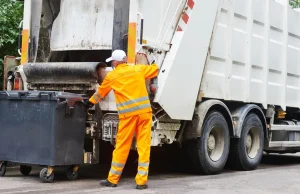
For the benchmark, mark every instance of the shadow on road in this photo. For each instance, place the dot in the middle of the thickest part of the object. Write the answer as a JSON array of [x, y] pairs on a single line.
[[277, 159], [170, 164]]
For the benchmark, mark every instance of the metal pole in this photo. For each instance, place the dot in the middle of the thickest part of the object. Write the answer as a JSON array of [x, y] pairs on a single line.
[[133, 9], [26, 31]]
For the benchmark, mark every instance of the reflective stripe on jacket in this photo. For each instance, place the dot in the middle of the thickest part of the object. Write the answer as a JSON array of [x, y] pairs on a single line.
[[129, 86]]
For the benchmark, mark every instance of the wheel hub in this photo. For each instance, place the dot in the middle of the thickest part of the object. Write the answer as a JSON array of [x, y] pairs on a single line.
[[248, 142], [252, 142], [211, 142], [215, 143]]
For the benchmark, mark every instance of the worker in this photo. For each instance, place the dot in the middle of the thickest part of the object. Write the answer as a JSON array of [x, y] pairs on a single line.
[[135, 115]]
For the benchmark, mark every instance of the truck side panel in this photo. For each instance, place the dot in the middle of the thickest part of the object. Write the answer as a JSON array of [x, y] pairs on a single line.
[[255, 54], [181, 73]]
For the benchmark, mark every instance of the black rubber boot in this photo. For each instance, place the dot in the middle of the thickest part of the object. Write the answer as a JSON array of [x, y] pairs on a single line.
[[141, 187], [106, 183]]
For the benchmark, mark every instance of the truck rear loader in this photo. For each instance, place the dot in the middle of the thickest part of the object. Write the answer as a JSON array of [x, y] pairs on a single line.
[[229, 81]]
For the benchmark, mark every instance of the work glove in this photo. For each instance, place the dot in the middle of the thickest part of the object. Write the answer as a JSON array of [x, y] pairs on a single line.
[[87, 104]]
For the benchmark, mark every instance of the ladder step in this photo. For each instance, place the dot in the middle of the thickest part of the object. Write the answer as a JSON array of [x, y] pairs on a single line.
[[285, 128], [284, 144]]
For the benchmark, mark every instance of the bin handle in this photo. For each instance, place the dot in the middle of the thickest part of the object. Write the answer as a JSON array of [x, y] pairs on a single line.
[[21, 94], [61, 103], [49, 95], [69, 106], [17, 95]]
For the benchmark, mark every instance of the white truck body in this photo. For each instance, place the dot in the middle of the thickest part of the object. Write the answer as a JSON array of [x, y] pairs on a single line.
[[255, 54], [247, 51], [222, 62], [89, 29]]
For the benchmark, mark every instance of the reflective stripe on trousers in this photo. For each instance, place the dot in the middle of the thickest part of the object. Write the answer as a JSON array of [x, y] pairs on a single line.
[[116, 170], [135, 108], [142, 173]]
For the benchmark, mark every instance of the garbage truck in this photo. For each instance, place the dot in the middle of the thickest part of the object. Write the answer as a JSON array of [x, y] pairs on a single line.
[[229, 82]]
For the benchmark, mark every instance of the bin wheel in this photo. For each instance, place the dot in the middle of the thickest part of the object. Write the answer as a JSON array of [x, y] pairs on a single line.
[[25, 170], [44, 178], [2, 169], [71, 175]]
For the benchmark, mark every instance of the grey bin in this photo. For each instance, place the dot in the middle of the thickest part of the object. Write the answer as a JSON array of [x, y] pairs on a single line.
[[42, 128]]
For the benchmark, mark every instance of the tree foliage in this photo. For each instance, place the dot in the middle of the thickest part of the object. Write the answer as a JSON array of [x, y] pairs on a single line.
[[295, 3], [11, 14]]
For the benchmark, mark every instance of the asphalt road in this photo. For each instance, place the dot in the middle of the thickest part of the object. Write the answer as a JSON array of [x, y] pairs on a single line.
[[276, 174]]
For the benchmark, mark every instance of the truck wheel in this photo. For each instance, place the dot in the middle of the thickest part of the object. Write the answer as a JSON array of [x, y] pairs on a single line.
[[209, 153], [246, 152], [25, 170], [3, 169], [44, 178]]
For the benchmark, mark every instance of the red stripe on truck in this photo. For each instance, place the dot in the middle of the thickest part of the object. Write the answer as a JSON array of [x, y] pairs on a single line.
[[179, 28], [191, 3], [185, 18]]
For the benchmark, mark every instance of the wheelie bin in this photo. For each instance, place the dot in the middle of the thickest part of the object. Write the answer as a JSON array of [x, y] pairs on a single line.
[[42, 128]]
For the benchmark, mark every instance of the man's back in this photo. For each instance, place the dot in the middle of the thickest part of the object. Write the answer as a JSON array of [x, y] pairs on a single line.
[[129, 85]]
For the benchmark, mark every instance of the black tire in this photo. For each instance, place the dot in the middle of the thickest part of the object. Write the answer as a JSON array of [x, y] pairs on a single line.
[[44, 178], [25, 170], [246, 154], [71, 175], [3, 169], [210, 160]]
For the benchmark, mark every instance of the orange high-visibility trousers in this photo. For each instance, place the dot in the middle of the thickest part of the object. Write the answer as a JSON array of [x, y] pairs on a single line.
[[141, 124]]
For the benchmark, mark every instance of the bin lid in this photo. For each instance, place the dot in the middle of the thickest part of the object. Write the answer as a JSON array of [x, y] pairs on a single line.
[[39, 95]]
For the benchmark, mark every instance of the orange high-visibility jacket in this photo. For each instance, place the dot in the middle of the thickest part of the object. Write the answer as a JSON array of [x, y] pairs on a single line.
[[129, 86]]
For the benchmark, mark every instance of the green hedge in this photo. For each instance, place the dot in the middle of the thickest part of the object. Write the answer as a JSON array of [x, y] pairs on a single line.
[[11, 14]]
